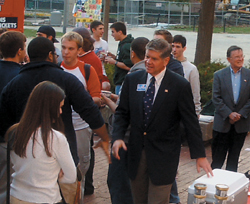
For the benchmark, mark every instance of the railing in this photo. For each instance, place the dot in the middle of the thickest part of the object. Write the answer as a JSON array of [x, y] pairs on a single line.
[[137, 13]]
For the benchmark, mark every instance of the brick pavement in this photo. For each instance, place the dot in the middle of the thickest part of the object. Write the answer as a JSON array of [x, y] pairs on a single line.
[[187, 173]]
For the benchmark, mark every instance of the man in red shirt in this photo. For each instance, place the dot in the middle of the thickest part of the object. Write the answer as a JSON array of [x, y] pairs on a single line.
[[87, 53]]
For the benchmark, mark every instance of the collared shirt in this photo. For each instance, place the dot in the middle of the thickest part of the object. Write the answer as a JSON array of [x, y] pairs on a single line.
[[158, 79], [236, 79]]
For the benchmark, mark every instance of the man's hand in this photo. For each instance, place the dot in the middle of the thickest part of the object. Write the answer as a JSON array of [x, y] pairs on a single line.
[[110, 60], [234, 117], [105, 100], [203, 163], [231, 121], [104, 145], [111, 55], [116, 146]]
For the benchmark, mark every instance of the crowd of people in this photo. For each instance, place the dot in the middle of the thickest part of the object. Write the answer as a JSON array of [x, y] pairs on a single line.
[[54, 100]]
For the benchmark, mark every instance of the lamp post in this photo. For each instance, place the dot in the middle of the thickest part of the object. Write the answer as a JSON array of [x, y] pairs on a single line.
[[51, 6], [65, 16]]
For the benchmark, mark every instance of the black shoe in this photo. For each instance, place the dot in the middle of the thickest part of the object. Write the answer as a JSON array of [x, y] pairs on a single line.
[[88, 192]]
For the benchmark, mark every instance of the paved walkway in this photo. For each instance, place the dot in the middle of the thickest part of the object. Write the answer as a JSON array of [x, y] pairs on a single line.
[[187, 173]]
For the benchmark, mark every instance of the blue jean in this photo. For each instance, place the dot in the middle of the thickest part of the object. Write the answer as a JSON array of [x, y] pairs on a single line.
[[174, 197], [118, 180], [117, 89]]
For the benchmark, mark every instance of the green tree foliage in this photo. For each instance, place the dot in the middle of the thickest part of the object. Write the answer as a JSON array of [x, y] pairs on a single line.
[[110, 70], [206, 71]]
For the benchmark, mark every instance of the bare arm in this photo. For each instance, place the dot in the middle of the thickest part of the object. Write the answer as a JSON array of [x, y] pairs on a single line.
[[112, 105], [103, 134]]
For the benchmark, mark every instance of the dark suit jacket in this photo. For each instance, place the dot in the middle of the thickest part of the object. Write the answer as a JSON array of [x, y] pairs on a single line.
[[161, 139], [175, 66], [223, 101]]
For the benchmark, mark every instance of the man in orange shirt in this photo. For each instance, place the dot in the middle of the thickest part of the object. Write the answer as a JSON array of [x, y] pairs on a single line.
[[71, 44]]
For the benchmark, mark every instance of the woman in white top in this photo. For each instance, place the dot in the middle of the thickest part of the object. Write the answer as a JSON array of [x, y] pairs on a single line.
[[41, 154]]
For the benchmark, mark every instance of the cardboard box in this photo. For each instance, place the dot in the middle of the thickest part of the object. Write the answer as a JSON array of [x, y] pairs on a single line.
[[237, 182]]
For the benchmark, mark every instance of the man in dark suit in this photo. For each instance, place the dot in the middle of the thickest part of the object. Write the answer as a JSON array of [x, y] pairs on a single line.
[[154, 144], [231, 98]]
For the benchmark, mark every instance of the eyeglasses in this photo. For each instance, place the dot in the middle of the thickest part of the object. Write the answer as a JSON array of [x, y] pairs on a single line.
[[56, 54], [238, 57]]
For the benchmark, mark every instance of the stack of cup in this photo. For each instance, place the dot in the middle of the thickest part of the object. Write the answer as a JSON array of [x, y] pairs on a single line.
[[200, 193], [221, 193]]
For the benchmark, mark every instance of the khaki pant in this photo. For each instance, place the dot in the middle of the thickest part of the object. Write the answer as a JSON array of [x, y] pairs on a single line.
[[144, 191], [69, 191], [72, 191], [14, 200]]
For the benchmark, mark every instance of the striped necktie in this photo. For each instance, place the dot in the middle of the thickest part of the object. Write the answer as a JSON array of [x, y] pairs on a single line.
[[149, 100]]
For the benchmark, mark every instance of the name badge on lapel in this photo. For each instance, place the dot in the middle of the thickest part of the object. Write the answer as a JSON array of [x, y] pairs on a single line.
[[141, 87]]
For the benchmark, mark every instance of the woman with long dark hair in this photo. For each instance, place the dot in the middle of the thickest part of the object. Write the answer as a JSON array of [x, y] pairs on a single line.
[[41, 154]]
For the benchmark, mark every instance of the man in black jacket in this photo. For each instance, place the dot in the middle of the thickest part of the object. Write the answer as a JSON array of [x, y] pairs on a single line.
[[43, 67], [154, 102], [13, 50]]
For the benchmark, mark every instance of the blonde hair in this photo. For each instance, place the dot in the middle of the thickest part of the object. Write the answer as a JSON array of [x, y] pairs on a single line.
[[73, 36]]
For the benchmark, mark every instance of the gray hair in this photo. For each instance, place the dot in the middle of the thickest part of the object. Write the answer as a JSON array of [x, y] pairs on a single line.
[[231, 49], [161, 46]]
